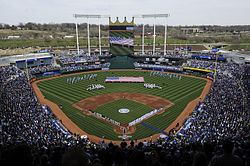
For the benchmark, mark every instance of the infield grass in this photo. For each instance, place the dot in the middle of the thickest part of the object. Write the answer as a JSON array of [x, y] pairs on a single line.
[[136, 110]]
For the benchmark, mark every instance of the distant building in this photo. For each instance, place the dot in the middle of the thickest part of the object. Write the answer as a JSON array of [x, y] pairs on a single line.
[[68, 36], [13, 37], [191, 30]]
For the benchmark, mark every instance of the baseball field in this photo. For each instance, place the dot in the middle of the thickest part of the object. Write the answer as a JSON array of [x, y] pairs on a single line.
[[80, 105]]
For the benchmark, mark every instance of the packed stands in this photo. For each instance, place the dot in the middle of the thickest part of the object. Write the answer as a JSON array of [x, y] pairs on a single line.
[[222, 115], [43, 69], [217, 129], [23, 119], [82, 67], [65, 60], [158, 67], [68, 64], [209, 65], [174, 55], [219, 57]]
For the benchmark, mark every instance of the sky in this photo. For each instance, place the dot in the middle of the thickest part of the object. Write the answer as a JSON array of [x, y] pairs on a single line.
[[182, 12]]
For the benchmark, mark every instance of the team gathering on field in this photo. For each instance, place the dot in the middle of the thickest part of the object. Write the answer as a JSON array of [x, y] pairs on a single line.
[[78, 79], [165, 75], [146, 85], [95, 87]]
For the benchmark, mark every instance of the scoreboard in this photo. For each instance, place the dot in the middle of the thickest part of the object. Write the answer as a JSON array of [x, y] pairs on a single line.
[[121, 37], [121, 28]]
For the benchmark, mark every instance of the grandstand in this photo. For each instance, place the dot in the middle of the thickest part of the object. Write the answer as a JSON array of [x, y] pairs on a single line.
[[196, 129], [170, 107]]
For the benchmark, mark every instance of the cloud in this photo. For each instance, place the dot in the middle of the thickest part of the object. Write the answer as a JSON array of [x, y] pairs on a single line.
[[183, 12]]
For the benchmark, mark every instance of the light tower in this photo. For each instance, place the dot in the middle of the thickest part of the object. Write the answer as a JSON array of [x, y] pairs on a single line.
[[143, 31], [165, 37], [77, 40], [88, 16], [155, 16]]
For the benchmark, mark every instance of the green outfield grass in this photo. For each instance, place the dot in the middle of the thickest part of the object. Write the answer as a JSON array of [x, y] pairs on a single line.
[[179, 92], [136, 110]]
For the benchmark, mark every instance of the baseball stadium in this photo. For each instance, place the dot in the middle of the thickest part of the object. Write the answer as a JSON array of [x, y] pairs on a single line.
[[125, 104]]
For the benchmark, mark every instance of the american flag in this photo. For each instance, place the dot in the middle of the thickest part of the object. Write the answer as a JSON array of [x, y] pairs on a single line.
[[121, 41], [125, 79]]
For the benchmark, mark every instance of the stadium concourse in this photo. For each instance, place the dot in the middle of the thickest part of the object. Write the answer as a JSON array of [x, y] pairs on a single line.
[[216, 133]]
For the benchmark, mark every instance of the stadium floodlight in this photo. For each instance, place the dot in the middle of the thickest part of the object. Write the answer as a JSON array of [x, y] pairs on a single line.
[[143, 32], [89, 16], [86, 16], [155, 15], [154, 29], [152, 15], [77, 40], [154, 36]]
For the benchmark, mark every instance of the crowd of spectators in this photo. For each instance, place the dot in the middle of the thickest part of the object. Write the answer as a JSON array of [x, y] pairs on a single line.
[[169, 54], [71, 63], [178, 55], [210, 65], [223, 113], [158, 67], [78, 59], [25, 120], [84, 67], [43, 69], [216, 133], [22, 117], [70, 68], [246, 84]]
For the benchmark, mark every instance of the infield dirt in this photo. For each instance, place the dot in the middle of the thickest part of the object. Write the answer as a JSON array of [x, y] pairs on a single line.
[[91, 103]]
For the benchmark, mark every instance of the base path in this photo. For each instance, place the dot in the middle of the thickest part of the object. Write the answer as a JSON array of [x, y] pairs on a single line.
[[73, 128]]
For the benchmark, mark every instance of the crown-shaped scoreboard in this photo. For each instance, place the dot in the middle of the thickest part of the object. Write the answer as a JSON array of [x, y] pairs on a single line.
[[121, 37], [124, 23]]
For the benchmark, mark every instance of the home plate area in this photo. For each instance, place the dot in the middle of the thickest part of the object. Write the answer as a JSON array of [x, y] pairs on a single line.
[[123, 110]]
